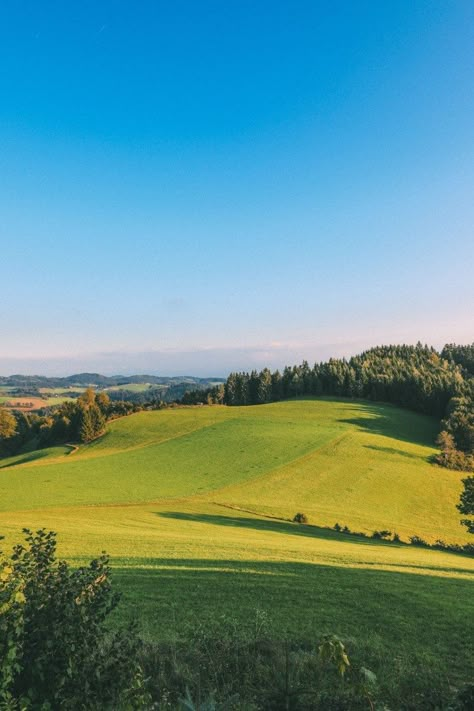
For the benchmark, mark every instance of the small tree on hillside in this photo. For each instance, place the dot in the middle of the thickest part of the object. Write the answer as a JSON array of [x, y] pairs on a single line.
[[446, 443], [8, 432], [87, 398], [103, 402], [466, 504], [93, 423], [98, 420], [7, 425], [450, 456], [87, 433]]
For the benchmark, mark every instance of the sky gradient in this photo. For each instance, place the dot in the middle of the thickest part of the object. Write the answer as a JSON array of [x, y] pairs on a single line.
[[196, 187]]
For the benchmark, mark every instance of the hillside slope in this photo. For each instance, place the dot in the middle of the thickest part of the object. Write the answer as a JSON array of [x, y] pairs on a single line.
[[164, 493], [364, 465]]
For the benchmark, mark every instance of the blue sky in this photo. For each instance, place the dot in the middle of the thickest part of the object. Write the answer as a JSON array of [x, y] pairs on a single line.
[[195, 187]]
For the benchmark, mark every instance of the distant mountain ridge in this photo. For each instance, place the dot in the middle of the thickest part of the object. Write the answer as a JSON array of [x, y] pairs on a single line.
[[98, 380]]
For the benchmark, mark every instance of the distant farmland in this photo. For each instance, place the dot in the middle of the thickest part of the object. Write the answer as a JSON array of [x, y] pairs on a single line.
[[24, 402], [40, 391], [131, 387], [27, 402]]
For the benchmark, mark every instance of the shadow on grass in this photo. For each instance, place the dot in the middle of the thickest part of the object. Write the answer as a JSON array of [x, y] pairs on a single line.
[[398, 452], [27, 457], [273, 526], [385, 419], [397, 424], [406, 611], [307, 530]]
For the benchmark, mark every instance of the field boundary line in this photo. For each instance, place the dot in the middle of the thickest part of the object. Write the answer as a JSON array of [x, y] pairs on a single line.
[[154, 444], [254, 513], [62, 459], [316, 451]]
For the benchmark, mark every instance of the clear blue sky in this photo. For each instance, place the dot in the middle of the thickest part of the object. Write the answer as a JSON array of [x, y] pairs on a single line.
[[198, 186]]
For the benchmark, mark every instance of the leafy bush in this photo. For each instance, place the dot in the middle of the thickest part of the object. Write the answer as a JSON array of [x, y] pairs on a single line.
[[382, 535], [300, 518], [56, 653], [55, 650], [209, 704], [417, 541], [464, 700]]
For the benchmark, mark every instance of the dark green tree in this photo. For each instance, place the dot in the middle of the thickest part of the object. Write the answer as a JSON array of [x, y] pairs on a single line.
[[87, 431], [93, 423], [264, 386], [466, 504]]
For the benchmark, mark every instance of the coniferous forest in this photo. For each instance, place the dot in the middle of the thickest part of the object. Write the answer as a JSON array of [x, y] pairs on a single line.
[[418, 377]]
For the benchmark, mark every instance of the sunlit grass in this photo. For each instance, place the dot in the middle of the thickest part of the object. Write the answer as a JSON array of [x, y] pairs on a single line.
[[182, 500]]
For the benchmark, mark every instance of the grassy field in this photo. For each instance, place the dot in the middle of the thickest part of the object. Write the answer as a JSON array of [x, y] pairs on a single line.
[[191, 504], [34, 403], [132, 387], [57, 400], [62, 391]]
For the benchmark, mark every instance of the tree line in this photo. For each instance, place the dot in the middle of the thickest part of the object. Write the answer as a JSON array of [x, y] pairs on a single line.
[[80, 420], [416, 377]]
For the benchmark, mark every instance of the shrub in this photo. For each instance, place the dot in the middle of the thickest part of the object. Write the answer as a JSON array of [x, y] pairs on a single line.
[[337, 527], [465, 698], [55, 651], [450, 456], [396, 538], [381, 535], [300, 518], [417, 541]]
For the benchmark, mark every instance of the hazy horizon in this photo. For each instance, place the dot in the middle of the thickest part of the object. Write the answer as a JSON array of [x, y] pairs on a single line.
[[207, 362]]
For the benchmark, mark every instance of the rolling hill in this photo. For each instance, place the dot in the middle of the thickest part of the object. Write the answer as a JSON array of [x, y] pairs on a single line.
[[195, 506]]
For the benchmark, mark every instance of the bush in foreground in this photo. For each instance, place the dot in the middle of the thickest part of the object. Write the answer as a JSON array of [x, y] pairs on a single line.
[[57, 653], [55, 650], [300, 518]]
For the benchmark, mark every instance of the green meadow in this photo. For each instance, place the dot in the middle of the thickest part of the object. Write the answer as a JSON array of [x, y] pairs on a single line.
[[194, 505], [130, 387]]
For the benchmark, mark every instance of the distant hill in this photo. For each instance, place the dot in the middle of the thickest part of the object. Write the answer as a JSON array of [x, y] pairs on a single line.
[[102, 381], [133, 388]]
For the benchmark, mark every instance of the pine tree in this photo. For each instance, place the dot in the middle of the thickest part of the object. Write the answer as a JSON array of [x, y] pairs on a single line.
[[466, 504], [97, 419], [264, 386], [87, 432]]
